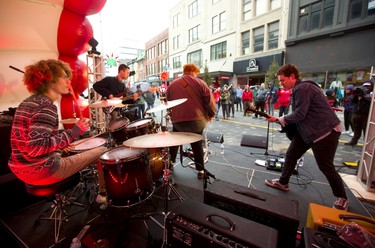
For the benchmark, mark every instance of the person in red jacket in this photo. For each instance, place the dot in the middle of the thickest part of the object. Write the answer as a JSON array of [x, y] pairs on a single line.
[[247, 98], [283, 100], [217, 101]]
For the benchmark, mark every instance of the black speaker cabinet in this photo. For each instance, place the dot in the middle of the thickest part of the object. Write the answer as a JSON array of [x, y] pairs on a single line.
[[215, 137], [270, 210], [194, 224], [254, 141]]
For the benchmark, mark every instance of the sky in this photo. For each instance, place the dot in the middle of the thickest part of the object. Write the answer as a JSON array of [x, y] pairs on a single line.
[[129, 23]]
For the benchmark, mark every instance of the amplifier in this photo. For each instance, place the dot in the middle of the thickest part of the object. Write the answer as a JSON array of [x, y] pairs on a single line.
[[194, 224], [279, 213], [330, 219]]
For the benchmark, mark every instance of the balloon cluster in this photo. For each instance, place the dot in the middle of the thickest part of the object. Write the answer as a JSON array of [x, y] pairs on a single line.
[[74, 32]]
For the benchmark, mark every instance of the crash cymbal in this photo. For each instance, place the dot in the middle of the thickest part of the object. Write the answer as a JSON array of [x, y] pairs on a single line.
[[70, 121], [167, 105], [162, 139], [106, 103]]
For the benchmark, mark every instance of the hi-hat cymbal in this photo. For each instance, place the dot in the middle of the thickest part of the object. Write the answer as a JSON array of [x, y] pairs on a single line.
[[70, 121], [167, 105], [106, 103], [162, 139]]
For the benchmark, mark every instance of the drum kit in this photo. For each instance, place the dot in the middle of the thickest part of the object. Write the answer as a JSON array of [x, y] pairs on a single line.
[[137, 156]]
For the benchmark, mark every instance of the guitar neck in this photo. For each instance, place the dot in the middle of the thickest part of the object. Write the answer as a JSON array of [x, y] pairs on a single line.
[[257, 112]]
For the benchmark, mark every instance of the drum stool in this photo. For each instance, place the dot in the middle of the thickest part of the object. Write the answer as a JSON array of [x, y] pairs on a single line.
[[59, 200]]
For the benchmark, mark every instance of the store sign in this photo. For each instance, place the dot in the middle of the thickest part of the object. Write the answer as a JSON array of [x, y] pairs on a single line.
[[252, 66]]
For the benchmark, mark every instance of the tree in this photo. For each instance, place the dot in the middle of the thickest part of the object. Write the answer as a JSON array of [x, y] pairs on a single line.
[[206, 76], [271, 73]]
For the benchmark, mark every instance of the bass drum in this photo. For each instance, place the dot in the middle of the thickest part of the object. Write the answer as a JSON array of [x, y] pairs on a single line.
[[127, 176], [117, 129]]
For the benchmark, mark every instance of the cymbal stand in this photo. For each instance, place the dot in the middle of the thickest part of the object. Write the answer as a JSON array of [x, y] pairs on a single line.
[[107, 111]]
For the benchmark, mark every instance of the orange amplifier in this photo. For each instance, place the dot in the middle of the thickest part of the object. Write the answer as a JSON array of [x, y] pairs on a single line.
[[330, 219]]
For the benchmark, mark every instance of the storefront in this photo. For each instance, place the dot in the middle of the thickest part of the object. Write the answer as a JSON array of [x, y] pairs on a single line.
[[345, 58], [252, 71]]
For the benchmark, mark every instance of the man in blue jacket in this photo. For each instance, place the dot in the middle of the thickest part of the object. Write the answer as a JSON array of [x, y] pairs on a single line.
[[317, 127]]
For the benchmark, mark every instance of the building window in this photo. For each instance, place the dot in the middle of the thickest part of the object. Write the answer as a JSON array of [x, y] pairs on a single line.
[[195, 58], [176, 20], [194, 34], [193, 9], [273, 35], [176, 42], [219, 51], [260, 7], [316, 16], [360, 9], [275, 4], [258, 39], [246, 10], [245, 38], [218, 23], [176, 62]]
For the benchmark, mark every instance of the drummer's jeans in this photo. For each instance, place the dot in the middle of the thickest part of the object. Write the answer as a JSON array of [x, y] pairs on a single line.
[[192, 127], [73, 164]]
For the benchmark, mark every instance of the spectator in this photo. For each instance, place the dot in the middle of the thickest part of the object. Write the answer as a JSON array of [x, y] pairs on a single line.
[[247, 98], [348, 109], [283, 101]]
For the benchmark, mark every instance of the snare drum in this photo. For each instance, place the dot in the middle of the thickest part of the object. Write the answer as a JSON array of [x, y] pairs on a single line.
[[91, 143], [127, 176], [140, 127], [117, 129]]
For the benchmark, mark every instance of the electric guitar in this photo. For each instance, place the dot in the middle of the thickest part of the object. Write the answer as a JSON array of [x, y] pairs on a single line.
[[136, 94], [289, 130]]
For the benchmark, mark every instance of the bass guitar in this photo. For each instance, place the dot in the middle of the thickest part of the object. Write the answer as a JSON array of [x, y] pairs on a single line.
[[289, 129]]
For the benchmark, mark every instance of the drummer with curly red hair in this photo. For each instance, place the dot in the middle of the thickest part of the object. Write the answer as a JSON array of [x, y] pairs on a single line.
[[37, 144]]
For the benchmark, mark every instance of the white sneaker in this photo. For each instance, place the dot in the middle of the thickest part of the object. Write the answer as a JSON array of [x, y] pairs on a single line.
[[346, 132], [351, 134]]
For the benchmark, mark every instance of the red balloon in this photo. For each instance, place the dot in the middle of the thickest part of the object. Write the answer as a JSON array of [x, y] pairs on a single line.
[[73, 34], [79, 71], [84, 7]]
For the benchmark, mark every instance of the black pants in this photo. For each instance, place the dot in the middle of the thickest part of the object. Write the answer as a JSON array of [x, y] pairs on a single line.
[[197, 147], [359, 123], [324, 152]]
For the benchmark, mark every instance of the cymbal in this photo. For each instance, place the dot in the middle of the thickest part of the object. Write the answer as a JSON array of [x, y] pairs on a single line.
[[162, 139], [70, 121], [106, 103], [167, 105]]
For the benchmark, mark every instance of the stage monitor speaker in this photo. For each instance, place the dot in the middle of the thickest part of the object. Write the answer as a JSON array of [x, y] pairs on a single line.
[[194, 224], [254, 141], [215, 137], [267, 209]]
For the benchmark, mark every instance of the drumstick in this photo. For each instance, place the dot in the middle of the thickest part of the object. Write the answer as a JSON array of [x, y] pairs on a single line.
[[83, 141], [75, 99]]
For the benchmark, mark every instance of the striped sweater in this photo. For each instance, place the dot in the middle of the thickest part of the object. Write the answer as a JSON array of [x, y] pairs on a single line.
[[35, 140]]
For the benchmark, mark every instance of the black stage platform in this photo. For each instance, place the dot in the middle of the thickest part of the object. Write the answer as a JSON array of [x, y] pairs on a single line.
[[142, 225]]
